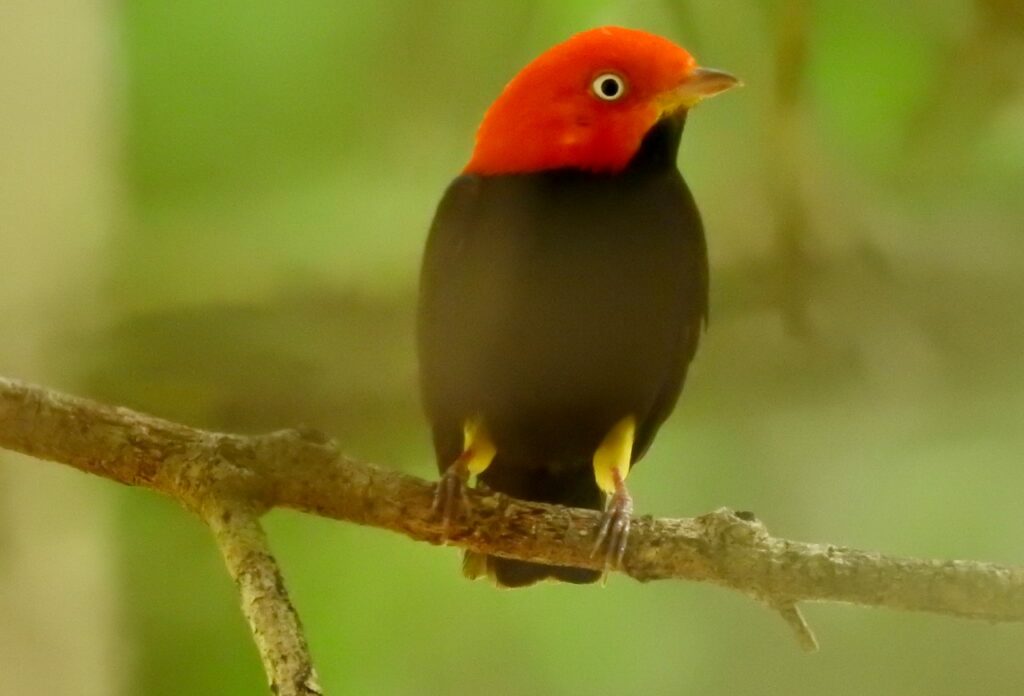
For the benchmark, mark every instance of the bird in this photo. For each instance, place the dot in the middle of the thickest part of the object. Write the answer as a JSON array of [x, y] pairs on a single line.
[[564, 286]]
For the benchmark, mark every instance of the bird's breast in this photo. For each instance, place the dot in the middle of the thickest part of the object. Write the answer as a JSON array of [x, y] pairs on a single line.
[[581, 299]]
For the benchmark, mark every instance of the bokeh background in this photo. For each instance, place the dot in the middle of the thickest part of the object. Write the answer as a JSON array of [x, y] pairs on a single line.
[[214, 212]]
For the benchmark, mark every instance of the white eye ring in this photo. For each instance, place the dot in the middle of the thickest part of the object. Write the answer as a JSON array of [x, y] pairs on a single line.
[[608, 87]]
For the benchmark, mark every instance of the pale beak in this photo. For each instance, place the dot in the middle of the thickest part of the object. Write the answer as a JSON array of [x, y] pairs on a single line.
[[700, 84]]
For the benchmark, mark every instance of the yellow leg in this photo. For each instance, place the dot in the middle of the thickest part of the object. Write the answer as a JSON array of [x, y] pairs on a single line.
[[478, 449], [611, 465], [478, 452], [614, 455]]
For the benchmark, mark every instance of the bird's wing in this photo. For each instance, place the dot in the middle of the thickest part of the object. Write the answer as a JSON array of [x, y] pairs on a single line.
[[692, 318], [446, 280]]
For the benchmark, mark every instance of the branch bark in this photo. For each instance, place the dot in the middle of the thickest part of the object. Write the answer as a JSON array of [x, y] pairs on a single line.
[[304, 471], [275, 626]]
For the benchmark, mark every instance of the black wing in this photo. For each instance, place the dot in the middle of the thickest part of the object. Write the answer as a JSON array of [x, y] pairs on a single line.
[[447, 323]]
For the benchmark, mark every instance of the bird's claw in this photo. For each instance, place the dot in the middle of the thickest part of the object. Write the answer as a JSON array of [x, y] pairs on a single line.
[[449, 494], [613, 534]]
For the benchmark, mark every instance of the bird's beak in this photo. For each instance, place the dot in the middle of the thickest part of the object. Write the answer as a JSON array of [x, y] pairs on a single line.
[[700, 84]]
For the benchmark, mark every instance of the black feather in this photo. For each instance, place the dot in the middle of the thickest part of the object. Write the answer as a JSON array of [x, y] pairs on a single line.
[[553, 304]]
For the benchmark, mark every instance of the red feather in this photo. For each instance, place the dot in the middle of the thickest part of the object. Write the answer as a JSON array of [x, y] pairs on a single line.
[[548, 117]]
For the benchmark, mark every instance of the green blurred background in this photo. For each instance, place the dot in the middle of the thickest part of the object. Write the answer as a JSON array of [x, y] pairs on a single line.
[[214, 212]]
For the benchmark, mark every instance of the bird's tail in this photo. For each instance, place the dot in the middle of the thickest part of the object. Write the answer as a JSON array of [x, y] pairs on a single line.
[[572, 486], [509, 572]]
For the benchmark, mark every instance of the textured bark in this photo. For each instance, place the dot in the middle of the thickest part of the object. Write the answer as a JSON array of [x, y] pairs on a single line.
[[304, 471], [275, 626]]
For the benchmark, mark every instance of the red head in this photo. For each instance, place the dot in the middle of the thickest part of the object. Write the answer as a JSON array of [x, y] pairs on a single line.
[[588, 102]]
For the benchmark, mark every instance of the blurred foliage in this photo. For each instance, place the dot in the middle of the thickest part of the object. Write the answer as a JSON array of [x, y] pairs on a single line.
[[279, 166]]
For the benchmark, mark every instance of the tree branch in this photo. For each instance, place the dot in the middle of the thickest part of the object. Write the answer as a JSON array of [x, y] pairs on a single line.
[[303, 471], [275, 625]]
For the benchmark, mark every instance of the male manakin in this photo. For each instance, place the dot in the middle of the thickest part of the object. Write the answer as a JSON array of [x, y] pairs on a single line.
[[564, 285]]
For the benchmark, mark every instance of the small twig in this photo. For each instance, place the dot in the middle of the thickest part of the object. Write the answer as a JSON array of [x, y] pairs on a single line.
[[794, 618], [275, 626]]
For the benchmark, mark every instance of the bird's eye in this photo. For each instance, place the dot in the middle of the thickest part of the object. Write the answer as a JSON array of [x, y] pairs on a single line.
[[608, 86]]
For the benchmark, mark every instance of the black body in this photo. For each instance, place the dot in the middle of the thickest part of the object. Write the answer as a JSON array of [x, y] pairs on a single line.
[[552, 305]]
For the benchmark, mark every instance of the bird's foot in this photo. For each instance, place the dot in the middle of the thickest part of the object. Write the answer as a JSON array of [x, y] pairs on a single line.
[[613, 534], [450, 492]]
